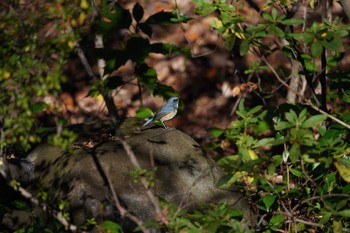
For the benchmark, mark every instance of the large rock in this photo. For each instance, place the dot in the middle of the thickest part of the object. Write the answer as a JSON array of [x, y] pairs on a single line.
[[184, 175]]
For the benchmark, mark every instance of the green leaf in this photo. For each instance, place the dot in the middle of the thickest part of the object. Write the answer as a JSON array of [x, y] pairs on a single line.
[[336, 44], [254, 110], [337, 226], [274, 14], [111, 227], [241, 108], [297, 172], [291, 117], [147, 76], [325, 218], [225, 181], [203, 7], [341, 33], [263, 142], [94, 91], [229, 41], [314, 121], [281, 125], [144, 112], [216, 132], [279, 32], [244, 47], [181, 18], [226, 17], [343, 213], [137, 12], [255, 28], [316, 49], [294, 152], [268, 201], [293, 21], [38, 107], [276, 221], [307, 37]]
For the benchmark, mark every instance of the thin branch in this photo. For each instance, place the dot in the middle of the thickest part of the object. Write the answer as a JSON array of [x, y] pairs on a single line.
[[116, 121], [113, 114], [308, 223], [320, 198], [303, 98], [56, 214]]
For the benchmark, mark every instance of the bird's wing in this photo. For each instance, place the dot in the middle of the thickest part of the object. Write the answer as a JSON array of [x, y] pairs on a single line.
[[161, 113]]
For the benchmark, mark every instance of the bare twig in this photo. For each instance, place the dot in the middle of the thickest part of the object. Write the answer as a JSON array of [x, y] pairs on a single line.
[[321, 198], [303, 98], [56, 214], [113, 113], [116, 121], [308, 223]]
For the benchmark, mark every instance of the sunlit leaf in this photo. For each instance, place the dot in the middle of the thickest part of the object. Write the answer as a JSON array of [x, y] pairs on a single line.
[[343, 171], [264, 142], [314, 121], [343, 213], [325, 218], [216, 132], [293, 21], [111, 227], [337, 226], [268, 201], [297, 172], [281, 125], [276, 221]]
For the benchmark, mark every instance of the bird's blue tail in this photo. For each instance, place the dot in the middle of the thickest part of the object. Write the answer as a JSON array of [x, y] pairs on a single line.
[[147, 122]]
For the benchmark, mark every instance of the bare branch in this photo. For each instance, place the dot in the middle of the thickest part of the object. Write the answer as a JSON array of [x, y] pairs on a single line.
[[303, 98], [56, 214]]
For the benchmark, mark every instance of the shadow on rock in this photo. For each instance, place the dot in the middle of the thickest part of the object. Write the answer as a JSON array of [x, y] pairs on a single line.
[[184, 175]]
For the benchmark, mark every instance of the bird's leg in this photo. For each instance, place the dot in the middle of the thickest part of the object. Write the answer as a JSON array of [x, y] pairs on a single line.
[[165, 127]]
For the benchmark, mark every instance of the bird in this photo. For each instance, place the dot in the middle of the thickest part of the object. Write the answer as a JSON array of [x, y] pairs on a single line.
[[165, 113]]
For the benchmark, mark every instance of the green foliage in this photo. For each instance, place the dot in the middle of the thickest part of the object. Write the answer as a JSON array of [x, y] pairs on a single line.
[[136, 45], [111, 227], [138, 173], [31, 67], [210, 218], [293, 162], [294, 165]]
